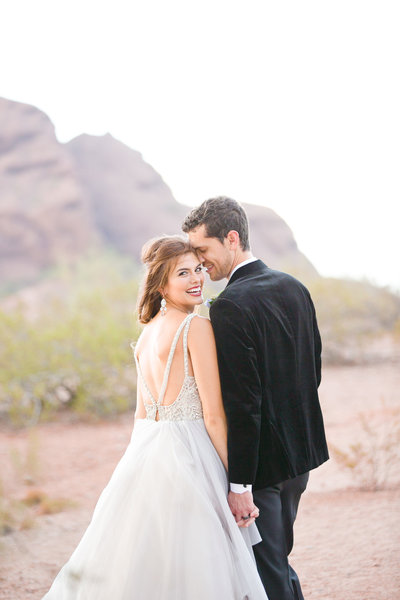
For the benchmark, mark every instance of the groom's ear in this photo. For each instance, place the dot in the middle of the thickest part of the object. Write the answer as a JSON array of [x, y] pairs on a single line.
[[233, 239]]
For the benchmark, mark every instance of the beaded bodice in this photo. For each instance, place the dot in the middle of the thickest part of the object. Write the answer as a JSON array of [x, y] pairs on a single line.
[[187, 405]]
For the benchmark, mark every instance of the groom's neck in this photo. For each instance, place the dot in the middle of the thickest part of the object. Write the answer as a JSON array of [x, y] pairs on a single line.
[[240, 257]]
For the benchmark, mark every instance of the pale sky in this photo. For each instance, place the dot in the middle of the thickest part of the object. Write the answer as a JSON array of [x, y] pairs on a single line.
[[290, 104]]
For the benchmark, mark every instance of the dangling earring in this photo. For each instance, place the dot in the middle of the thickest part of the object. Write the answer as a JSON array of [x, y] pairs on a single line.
[[163, 307]]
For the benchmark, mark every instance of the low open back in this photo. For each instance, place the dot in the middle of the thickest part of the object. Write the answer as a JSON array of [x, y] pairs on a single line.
[[187, 404]]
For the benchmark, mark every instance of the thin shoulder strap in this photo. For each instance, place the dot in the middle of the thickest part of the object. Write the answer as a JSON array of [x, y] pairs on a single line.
[[185, 344], [170, 358]]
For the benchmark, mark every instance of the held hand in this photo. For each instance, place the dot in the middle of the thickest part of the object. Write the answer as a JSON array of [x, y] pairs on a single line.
[[243, 508]]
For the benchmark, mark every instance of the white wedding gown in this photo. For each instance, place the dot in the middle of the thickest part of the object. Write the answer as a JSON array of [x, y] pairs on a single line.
[[162, 528]]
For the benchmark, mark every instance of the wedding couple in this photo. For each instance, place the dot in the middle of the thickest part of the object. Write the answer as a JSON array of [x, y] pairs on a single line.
[[235, 394]]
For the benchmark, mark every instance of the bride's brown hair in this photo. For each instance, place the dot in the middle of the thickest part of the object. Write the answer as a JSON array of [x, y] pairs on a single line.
[[159, 255]]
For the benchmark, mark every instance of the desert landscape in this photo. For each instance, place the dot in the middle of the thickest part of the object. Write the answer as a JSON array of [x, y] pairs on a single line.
[[347, 533], [73, 218]]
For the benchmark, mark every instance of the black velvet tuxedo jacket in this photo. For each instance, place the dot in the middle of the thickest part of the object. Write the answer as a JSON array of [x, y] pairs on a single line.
[[269, 357]]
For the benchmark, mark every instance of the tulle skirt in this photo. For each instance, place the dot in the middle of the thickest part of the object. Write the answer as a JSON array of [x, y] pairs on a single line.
[[162, 528]]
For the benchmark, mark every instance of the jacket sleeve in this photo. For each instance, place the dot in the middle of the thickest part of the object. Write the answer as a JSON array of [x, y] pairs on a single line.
[[241, 387], [317, 343]]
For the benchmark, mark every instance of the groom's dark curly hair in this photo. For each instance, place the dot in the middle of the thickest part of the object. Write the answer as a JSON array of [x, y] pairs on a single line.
[[220, 216]]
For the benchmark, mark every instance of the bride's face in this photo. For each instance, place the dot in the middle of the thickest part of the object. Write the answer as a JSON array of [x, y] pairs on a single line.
[[185, 283]]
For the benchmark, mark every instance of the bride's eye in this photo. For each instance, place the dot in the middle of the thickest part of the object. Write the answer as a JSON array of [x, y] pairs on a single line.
[[199, 269]]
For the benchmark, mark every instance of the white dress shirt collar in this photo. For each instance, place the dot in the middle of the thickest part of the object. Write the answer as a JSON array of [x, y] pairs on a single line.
[[242, 264]]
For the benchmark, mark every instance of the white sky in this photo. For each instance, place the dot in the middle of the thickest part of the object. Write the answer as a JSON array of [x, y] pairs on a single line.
[[290, 104]]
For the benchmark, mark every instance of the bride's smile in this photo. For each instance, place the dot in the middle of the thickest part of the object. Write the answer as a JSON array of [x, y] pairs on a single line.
[[196, 291]]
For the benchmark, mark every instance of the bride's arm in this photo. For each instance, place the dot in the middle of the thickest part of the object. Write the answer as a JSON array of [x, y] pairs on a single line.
[[203, 355]]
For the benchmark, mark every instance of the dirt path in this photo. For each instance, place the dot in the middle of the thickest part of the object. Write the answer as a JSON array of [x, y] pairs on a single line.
[[347, 541]]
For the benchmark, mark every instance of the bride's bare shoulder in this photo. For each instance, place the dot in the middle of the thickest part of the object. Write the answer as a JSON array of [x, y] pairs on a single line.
[[200, 330], [200, 322]]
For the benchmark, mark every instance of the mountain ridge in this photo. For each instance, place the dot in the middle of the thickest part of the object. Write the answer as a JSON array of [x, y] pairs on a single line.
[[59, 200]]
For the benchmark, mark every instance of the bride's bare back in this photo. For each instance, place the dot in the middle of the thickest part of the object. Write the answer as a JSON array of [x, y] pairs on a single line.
[[153, 353]]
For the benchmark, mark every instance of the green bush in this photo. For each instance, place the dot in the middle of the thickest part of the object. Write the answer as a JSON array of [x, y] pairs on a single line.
[[351, 316], [69, 348], [75, 353]]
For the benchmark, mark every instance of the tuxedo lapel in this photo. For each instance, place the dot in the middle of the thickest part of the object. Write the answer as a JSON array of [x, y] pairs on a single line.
[[248, 270]]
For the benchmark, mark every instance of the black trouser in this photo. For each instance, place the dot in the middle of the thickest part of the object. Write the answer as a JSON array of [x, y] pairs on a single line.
[[278, 508]]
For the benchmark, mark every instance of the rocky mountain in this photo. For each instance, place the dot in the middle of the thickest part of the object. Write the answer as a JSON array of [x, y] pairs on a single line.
[[44, 214], [129, 201], [58, 200]]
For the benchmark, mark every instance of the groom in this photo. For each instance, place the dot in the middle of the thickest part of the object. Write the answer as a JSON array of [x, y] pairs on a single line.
[[269, 356]]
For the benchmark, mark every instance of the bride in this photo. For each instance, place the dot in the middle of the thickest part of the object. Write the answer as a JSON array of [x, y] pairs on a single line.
[[162, 528]]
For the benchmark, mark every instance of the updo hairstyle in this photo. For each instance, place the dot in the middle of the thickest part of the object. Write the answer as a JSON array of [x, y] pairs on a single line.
[[159, 255]]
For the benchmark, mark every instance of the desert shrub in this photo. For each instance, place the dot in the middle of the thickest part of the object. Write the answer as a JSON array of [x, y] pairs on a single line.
[[374, 458], [13, 514], [75, 352], [351, 315], [20, 512]]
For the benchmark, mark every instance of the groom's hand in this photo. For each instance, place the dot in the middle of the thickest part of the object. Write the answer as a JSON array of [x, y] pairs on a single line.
[[243, 508]]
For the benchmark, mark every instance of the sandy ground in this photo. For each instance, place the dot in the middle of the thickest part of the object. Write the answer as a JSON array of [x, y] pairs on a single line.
[[347, 541]]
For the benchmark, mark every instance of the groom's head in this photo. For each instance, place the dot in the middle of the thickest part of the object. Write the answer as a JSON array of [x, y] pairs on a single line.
[[219, 231]]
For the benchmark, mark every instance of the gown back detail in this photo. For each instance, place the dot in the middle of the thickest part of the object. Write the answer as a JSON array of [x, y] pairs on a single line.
[[187, 405], [162, 528]]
